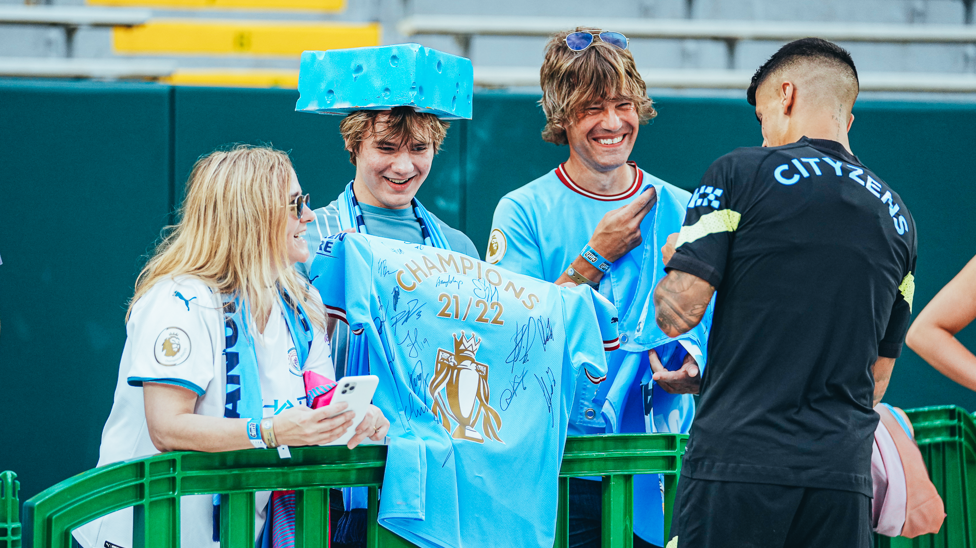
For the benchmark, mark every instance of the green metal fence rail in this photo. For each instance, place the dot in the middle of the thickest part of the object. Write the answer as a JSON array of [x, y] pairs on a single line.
[[153, 487], [9, 511]]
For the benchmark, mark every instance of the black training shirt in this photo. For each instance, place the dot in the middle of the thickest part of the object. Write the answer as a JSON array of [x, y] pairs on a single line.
[[812, 257]]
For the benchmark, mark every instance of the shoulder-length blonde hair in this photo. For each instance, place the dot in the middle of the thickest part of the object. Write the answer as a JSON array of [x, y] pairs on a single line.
[[572, 79], [231, 233]]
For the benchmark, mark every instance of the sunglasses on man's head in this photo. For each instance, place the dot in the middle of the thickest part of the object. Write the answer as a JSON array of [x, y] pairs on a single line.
[[578, 41], [299, 204]]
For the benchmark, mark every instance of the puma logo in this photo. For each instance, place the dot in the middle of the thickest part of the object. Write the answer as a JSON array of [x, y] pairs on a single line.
[[186, 301]]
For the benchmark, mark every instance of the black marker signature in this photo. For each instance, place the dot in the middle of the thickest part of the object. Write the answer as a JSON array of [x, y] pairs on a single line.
[[448, 281], [526, 335], [382, 268], [413, 342], [418, 405], [413, 311], [509, 393], [548, 386], [484, 290]]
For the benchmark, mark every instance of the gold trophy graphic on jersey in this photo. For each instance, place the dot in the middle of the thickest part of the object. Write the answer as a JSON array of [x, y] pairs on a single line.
[[460, 392]]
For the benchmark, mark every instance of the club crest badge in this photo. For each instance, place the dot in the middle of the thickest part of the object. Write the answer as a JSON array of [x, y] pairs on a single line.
[[172, 346], [460, 392], [497, 246], [293, 366]]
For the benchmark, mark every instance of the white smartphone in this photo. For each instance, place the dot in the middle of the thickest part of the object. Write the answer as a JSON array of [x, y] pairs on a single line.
[[357, 391]]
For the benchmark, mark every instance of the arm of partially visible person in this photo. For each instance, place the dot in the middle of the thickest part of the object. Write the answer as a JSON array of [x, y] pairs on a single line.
[[932, 335], [615, 235], [173, 426]]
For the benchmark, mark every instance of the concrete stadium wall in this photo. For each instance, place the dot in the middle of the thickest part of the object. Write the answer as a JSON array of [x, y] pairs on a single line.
[[93, 171]]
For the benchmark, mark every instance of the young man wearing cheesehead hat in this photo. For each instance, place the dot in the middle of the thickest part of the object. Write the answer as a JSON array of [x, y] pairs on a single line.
[[397, 102]]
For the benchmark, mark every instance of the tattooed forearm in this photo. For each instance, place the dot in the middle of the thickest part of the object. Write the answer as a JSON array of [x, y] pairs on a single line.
[[881, 370], [680, 301]]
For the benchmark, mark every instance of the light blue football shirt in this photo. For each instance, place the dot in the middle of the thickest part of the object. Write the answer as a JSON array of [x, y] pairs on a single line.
[[538, 230], [478, 368]]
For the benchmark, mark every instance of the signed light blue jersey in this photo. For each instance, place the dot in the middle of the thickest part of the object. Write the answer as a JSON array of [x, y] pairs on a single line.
[[478, 368], [538, 230]]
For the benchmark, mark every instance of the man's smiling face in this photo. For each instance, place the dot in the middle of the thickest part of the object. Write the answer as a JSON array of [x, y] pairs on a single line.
[[389, 174], [603, 136]]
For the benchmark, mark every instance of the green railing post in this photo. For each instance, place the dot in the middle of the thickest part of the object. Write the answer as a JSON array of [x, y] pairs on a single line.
[[618, 511], [237, 519], [670, 490], [9, 511], [312, 518]]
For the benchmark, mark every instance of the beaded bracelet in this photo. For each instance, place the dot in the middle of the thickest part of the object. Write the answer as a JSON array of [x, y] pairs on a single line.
[[594, 258]]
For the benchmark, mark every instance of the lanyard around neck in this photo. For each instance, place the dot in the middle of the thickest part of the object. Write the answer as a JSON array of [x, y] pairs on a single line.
[[361, 222]]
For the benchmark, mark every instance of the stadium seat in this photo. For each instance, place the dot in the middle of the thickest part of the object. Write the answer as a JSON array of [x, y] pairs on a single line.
[[240, 37], [275, 5], [256, 78]]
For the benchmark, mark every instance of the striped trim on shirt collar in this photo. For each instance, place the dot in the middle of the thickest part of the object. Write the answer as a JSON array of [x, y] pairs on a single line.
[[565, 178]]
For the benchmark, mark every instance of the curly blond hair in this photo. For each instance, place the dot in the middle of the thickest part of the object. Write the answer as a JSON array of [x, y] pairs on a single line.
[[572, 79]]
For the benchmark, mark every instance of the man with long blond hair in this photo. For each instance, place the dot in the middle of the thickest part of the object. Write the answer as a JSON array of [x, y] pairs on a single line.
[[220, 332], [598, 219]]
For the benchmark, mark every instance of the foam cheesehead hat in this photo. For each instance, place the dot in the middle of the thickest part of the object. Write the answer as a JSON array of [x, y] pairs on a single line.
[[341, 81]]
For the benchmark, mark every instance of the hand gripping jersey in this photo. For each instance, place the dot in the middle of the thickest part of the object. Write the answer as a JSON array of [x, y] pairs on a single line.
[[478, 367]]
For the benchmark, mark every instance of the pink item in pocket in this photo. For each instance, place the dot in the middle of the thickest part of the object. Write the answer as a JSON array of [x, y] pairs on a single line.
[[318, 389]]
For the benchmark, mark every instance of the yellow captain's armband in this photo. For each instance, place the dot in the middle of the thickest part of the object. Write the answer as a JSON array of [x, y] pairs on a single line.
[[907, 289], [724, 220]]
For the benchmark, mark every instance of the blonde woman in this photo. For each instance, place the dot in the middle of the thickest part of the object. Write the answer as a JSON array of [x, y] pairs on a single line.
[[220, 332]]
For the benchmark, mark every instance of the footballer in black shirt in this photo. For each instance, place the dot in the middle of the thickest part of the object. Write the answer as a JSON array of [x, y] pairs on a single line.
[[811, 257]]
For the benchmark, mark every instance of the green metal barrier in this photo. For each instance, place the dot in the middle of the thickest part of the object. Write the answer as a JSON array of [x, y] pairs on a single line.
[[9, 511], [153, 487]]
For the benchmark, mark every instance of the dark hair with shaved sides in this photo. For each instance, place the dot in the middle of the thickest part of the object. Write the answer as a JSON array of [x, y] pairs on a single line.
[[804, 50]]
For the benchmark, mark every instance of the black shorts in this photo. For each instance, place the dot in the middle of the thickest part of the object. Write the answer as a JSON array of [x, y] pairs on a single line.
[[721, 514]]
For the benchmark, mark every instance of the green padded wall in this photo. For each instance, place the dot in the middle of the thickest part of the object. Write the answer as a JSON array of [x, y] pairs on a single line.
[[84, 190], [92, 172]]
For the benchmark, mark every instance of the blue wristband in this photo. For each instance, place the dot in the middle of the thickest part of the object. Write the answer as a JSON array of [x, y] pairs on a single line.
[[595, 259], [254, 433]]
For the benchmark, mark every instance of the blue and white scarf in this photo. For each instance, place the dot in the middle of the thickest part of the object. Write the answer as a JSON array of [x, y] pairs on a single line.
[[242, 383]]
